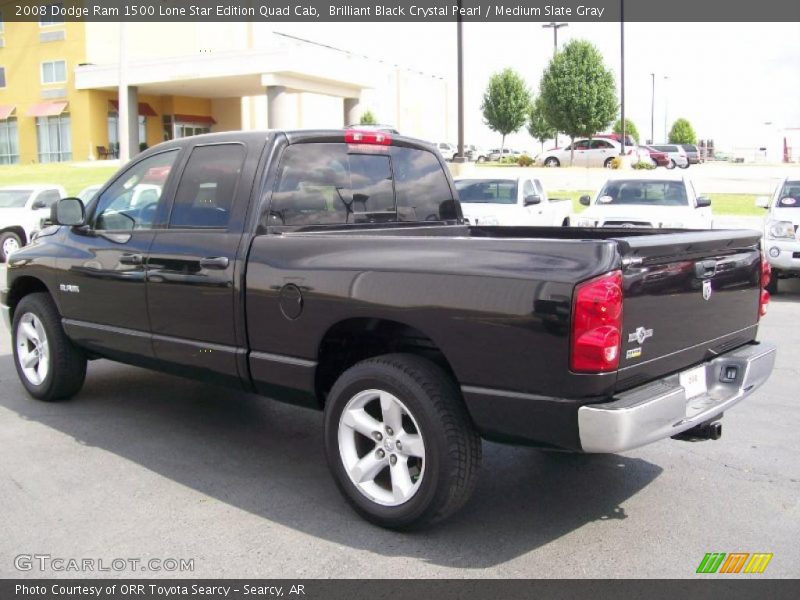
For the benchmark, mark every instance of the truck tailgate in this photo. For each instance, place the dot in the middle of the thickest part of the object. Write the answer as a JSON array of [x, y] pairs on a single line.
[[687, 297]]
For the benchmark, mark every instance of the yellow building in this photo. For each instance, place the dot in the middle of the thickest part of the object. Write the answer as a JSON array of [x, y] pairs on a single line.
[[60, 85]]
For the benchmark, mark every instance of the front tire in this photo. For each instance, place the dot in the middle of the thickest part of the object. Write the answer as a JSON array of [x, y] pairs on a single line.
[[48, 364], [671, 164], [9, 242], [772, 286], [399, 442], [608, 163]]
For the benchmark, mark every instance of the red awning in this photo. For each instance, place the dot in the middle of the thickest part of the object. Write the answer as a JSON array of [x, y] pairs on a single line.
[[6, 110], [203, 120], [145, 109], [47, 109]]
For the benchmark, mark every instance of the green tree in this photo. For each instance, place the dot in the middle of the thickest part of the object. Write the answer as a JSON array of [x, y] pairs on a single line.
[[506, 103], [682, 133], [538, 126], [630, 129], [578, 93], [368, 118]]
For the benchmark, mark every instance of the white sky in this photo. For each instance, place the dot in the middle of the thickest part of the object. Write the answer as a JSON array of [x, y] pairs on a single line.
[[728, 79]]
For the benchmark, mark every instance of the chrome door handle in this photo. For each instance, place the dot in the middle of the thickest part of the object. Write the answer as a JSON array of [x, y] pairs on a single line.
[[214, 262], [131, 259]]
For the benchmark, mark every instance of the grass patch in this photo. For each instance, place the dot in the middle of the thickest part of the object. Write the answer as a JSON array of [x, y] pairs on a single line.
[[73, 177], [721, 204]]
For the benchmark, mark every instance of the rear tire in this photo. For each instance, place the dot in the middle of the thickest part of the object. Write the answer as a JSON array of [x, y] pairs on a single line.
[[48, 364], [772, 286], [552, 162], [399, 442], [671, 164], [9, 242]]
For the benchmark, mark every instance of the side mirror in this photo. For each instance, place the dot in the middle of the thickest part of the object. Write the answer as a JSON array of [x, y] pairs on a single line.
[[532, 199], [585, 200], [703, 201], [762, 202], [38, 205], [69, 211]]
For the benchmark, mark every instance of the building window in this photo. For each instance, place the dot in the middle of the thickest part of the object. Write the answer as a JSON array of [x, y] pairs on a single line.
[[50, 18], [54, 138], [2, 77], [54, 71], [9, 142], [113, 132], [183, 130]]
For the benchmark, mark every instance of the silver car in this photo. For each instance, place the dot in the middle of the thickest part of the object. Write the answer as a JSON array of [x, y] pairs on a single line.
[[677, 155]]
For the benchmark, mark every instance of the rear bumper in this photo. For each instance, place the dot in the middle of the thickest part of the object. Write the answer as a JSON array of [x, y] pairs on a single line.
[[660, 409]]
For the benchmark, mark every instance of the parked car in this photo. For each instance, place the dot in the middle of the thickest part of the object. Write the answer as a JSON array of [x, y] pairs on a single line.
[[23, 208], [588, 153], [89, 192], [496, 154], [677, 155], [782, 231], [448, 151], [477, 154], [692, 153], [318, 273], [651, 203], [659, 158], [376, 127], [510, 201]]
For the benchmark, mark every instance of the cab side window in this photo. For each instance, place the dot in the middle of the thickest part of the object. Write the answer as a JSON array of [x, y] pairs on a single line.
[[132, 200], [205, 194]]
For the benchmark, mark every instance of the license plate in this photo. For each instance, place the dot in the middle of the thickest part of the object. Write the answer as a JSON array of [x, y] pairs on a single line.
[[694, 382]]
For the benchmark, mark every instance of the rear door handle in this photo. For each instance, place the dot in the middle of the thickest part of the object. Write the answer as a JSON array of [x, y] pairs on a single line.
[[131, 259], [214, 262]]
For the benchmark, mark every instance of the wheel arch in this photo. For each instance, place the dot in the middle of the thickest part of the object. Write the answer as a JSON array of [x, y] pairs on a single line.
[[18, 230], [24, 286], [355, 339]]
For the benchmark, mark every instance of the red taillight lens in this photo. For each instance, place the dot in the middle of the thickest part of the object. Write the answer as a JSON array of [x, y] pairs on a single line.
[[766, 275], [377, 138], [596, 324]]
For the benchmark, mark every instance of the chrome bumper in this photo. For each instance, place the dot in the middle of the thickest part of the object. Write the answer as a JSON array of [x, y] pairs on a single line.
[[660, 409]]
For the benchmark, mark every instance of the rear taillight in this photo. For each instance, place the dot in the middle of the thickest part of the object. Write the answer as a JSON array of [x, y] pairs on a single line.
[[377, 138], [766, 275], [597, 324]]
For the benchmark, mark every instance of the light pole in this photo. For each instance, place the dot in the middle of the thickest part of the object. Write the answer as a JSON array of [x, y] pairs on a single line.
[[460, 155], [653, 109], [622, 73], [666, 100], [555, 26]]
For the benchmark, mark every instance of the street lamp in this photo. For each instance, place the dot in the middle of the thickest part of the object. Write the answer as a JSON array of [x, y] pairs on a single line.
[[460, 154], [555, 27], [653, 109], [622, 72]]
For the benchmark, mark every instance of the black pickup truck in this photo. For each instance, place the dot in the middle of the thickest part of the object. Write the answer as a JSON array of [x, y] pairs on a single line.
[[333, 269]]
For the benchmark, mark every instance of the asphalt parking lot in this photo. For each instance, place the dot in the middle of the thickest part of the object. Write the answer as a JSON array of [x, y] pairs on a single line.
[[143, 465]]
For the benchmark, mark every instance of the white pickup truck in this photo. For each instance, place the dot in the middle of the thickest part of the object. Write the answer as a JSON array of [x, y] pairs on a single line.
[[659, 203], [520, 201], [22, 210], [781, 233]]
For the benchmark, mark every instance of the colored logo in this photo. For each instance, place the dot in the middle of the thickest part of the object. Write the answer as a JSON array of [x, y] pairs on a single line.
[[735, 562]]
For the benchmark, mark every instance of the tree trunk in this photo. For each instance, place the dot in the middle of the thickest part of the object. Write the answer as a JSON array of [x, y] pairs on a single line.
[[502, 146], [571, 150]]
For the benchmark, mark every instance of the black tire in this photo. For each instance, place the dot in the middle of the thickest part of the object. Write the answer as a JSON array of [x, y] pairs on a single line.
[[552, 162], [5, 237], [772, 286], [671, 164], [607, 163], [67, 363], [686, 166], [452, 447]]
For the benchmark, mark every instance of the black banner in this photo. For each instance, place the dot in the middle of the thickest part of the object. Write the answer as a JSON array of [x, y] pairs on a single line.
[[353, 589], [403, 10]]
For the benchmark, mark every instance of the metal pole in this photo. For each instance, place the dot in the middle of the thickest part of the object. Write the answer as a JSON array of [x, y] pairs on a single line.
[[653, 110], [122, 96], [666, 100], [460, 42], [622, 71]]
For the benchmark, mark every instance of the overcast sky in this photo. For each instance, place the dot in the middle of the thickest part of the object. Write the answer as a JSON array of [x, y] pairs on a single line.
[[728, 79]]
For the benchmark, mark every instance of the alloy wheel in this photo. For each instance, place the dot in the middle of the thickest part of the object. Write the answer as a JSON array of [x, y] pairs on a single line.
[[33, 351]]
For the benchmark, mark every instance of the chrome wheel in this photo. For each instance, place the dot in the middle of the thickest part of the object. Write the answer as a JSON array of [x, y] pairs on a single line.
[[10, 244], [381, 447], [33, 352]]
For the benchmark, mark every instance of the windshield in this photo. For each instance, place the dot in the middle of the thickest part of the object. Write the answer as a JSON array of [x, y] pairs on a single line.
[[487, 191], [14, 198], [646, 192], [790, 195]]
